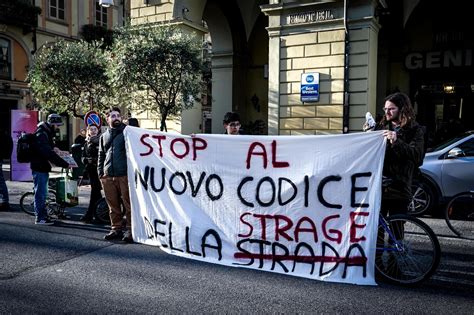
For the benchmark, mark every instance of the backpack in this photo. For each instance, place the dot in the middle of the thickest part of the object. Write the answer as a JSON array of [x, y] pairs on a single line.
[[25, 147]]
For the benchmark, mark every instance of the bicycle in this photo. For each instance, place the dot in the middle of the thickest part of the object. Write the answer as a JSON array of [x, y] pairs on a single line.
[[459, 214], [407, 250], [102, 211], [57, 209], [53, 208]]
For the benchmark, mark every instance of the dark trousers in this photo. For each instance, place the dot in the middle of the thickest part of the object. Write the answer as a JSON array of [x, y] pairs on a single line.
[[96, 187], [394, 206]]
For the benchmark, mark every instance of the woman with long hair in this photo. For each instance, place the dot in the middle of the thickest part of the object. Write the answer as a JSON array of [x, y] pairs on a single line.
[[405, 151], [90, 154]]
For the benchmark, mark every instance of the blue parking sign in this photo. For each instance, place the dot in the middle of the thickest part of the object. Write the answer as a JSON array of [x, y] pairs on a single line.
[[93, 118]]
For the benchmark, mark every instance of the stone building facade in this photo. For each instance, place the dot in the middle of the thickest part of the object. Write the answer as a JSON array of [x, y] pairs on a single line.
[[362, 50]]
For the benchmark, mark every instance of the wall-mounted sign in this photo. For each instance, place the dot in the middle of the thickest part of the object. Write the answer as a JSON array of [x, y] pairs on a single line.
[[310, 87], [311, 16]]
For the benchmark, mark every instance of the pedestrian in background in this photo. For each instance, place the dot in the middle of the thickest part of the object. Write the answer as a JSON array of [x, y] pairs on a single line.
[[112, 169], [90, 156], [133, 122], [81, 137], [40, 164], [232, 124], [6, 147]]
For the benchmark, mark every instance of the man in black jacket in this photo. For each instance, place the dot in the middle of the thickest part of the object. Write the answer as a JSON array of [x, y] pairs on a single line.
[[40, 164], [404, 153], [112, 170]]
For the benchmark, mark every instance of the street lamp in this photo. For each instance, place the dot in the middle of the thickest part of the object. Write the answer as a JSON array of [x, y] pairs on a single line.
[[106, 3]]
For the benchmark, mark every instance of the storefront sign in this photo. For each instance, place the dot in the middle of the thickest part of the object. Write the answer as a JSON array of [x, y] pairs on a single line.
[[311, 16], [251, 202], [439, 59], [310, 87]]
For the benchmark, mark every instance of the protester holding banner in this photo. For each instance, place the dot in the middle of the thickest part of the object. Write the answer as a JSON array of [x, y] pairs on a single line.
[[232, 124], [404, 152], [112, 169], [90, 154], [40, 164]]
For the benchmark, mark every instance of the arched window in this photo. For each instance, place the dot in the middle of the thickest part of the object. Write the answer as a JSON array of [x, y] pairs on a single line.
[[5, 59]]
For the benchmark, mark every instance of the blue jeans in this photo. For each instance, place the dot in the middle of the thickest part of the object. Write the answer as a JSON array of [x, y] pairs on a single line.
[[3, 187], [40, 181]]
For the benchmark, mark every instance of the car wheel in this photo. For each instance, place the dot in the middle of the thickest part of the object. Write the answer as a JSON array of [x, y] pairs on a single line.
[[422, 199]]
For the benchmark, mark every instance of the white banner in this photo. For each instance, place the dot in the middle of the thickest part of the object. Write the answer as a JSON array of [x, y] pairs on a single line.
[[305, 206]]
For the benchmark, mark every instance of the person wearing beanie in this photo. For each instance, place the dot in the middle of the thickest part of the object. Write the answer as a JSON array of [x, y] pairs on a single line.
[[40, 164]]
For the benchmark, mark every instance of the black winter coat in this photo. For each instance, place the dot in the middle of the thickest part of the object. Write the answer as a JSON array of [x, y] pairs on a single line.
[[112, 155], [402, 159], [44, 150], [90, 152]]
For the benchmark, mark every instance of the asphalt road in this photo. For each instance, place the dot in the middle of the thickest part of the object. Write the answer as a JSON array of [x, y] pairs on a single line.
[[69, 268]]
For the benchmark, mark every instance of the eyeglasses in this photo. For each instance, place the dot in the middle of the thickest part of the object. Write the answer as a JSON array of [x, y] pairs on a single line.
[[234, 125], [389, 109]]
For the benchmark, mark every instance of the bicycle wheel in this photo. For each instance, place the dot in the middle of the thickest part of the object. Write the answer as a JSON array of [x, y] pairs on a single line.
[[102, 211], [459, 215], [408, 251], [27, 202]]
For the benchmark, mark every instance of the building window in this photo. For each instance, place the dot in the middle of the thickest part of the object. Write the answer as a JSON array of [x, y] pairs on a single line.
[[57, 9], [5, 59], [100, 15]]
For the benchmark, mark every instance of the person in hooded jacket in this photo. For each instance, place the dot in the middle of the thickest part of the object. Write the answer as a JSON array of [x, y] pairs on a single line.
[[40, 164], [90, 155]]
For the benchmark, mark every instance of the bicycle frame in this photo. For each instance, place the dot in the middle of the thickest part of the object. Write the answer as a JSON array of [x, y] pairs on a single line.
[[397, 244]]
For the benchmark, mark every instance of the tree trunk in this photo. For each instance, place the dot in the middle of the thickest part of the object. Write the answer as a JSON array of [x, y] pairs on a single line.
[[163, 123]]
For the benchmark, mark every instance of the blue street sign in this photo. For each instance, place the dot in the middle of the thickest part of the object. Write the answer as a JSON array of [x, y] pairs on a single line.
[[92, 118], [310, 87]]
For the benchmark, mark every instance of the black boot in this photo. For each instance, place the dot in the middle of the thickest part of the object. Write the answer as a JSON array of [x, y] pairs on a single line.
[[86, 218]]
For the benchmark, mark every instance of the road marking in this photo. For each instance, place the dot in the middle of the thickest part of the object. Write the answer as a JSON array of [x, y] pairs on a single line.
[[451, 280]]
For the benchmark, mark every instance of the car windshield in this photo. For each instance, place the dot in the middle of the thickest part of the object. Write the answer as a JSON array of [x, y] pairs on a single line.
[[443, 145]]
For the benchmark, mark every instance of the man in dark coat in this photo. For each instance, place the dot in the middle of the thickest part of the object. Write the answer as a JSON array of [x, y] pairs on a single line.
[[112, 170], [40, 164], [404, 154]]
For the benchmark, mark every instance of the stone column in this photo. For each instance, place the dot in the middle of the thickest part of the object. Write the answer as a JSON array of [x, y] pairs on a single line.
[[363, 51], [222, 73]]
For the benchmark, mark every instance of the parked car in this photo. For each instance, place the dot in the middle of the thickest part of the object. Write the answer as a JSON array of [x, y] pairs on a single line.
[[447, 170]]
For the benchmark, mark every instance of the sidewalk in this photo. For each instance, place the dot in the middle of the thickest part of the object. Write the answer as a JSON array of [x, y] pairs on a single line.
[[17, 189]]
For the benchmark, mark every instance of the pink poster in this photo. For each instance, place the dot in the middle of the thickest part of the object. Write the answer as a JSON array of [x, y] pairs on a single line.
[[22, 121]]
